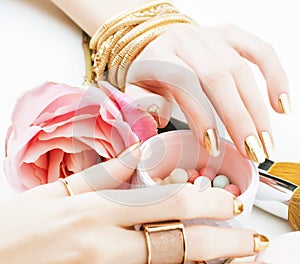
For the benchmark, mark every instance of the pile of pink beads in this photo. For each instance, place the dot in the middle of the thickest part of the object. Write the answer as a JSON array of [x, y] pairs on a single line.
[[205, 178]]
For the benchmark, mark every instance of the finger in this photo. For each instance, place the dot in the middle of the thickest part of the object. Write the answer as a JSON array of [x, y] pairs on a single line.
[[220, 87], [105, 175], [263, 55], [161, 203], [148, 100], [206, 242], [203, 243], [248, 90], [169, 76]]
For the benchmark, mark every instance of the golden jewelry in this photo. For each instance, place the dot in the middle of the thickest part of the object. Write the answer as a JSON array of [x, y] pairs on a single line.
[[155, 112], [149, 9], [119, 41], [164, 240], [118, 69], [67, 186]]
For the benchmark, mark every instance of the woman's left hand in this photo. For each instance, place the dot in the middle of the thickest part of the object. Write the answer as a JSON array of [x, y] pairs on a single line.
[[96, 226]]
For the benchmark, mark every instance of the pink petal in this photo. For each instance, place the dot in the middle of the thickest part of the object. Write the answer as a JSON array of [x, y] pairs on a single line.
[[55, 159], [24, 114], [69, 145]]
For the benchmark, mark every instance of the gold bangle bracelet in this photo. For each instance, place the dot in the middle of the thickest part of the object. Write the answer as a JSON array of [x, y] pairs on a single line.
[[121, 39], [120, 26], [148, 25], [101, 57], [171, 19], [133, 50], [147, 8]]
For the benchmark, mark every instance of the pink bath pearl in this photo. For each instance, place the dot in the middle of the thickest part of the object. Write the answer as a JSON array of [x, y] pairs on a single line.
[[192, 174], [209, 172], [234, 189]]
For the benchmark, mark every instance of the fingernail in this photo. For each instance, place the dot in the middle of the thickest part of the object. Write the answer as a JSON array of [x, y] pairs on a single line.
[[261, 242], [284, 104], [254, 149], [238, 206], [154, 111], [130, 149], [211, 141], [267, 143]]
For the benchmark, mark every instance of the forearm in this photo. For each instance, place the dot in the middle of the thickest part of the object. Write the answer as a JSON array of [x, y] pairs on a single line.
[[91, 14]]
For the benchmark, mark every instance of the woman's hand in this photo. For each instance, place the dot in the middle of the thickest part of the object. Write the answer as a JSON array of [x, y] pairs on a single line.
[[189, 64], [44, 225]]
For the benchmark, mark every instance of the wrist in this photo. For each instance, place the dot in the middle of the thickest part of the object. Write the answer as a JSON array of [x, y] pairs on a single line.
[[91, 14]]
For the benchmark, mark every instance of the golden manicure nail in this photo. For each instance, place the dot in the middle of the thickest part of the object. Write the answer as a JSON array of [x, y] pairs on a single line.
[[211, 141], [238, 206], [130, 149], [284, 104], [254, 149], [267, 143], [261, 242], [154, 111]]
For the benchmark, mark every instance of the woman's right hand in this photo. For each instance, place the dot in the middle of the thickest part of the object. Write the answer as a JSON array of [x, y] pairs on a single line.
[[45, 225]]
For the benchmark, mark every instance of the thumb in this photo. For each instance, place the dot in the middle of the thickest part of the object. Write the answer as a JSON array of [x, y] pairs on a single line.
[[106, 175]]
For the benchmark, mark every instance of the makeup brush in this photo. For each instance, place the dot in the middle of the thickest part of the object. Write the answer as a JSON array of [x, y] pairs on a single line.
[[289, 171], [279, 197], [278, 192]]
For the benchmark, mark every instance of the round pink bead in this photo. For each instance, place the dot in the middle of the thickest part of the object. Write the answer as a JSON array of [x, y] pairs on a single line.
[[192, 174], [209, 172], [234, 189]]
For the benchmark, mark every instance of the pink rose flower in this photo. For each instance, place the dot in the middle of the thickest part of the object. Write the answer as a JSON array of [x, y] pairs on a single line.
[[58, 130]]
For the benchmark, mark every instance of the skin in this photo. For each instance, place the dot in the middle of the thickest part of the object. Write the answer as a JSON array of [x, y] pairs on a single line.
[[90, 228], [202, 63], [83, 228], [196, 66]]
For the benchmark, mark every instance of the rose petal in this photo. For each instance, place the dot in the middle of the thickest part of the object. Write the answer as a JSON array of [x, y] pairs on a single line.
[[55, 159], [24, 115], [69, 145]]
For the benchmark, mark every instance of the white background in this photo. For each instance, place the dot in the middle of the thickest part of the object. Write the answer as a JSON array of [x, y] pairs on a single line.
[[39, 43]]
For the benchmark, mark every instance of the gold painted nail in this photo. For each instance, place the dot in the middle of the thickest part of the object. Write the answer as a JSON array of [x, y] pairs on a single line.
[[267, 143], [211, 141], [284, 103], [154, 111], [261, 242], [130, 149], [238, 206], [229, 261], [254, 149]]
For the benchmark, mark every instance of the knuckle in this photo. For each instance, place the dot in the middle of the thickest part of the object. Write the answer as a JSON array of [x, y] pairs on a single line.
[[263, 48], [229, 29], [239, 66], [86, 253], [179, 76], [182, 201], [215, 76]]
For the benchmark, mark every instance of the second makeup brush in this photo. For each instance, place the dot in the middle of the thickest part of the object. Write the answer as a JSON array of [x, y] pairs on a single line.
[[279, 197]]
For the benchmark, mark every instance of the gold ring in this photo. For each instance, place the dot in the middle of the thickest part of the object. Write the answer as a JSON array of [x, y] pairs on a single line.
[[165, 242], [67, 186], [153, 110]]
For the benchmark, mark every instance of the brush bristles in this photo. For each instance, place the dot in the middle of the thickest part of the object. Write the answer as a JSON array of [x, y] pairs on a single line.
[[294, 210], [289, 171]]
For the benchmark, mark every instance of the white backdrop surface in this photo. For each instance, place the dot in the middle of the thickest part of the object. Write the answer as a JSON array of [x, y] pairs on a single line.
[[39, 43]]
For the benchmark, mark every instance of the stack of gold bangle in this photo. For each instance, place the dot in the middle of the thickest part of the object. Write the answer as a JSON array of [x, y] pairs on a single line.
[[118, 42]]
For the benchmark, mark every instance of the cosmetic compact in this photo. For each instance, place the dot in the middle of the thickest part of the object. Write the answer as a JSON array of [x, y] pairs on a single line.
[[164, 152]]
